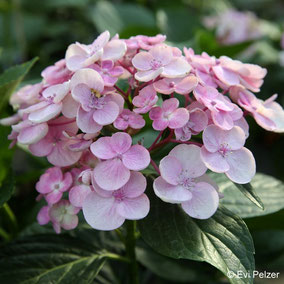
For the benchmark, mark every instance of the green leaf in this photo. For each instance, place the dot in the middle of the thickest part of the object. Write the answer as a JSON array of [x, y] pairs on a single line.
[[177, 270], [269, 189], [246, 189], [7, 187], [49, 259], [10, 79], [249, 192], [223, 240]]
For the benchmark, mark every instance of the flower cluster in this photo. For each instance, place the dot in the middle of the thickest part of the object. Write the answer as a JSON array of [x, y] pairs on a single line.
[[84, 114]]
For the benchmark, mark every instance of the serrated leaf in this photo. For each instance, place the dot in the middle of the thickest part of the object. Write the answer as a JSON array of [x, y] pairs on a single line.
[[49, 259], [7, 187], [223, 240], [249, 192], [10, 79], [269, 189]]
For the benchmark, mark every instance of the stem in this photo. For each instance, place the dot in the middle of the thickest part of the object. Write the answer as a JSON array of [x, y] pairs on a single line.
[[155, 166], [163, 141], [155, 142], [125, 97], [130, 251]]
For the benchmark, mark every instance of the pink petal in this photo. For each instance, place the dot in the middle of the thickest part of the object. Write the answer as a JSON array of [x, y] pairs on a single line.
[[214, 161], [204, 201], [61, 156], [162, 87], [162, 53], [86, 122], [170, 193], [160, 124], [43, 216], [170, 105], [187, 85], [214, 137], [242, 166], [88, 77], [100, 212], [32, 134], [222, 119], [136, 158], [146, 76], [69, 107], [41, 148], [141, 61], [226, 76], [45, 113], [178, 118], [107, 114], [114, 50], [170, 169], [198, 119], [102, 148], [53, 197], [78, 193], [134, 208], [135, 186], [190, 159], [111, 174], [178, 67], [120, 142]]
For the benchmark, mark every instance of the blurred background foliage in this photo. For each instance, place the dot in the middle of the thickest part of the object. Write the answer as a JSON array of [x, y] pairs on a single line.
[[30, 28]]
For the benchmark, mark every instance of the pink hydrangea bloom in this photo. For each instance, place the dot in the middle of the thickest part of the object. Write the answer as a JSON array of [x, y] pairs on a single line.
[[53, 183], [197, 122], [183, 181], [107, 210], [120, 157], [108, 72], [80, 55], [29, 132], [268, 114], [26, 96], [129, 119], [55, 145], [223, 111], [181, 86], [144, 42], [43, 215], [235, 73], [202, 66], [63, 215], [51, 106], [56, 74], [81, 190], [96, 109], [159, 61], [146, 99], [223, 152], [169, 115]]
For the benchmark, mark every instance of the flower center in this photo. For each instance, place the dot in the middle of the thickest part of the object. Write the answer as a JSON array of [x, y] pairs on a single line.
[[155, 64], [172, 84], [186, 181], [224, 149], [118, 195], [56, 186], [96, 100]]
